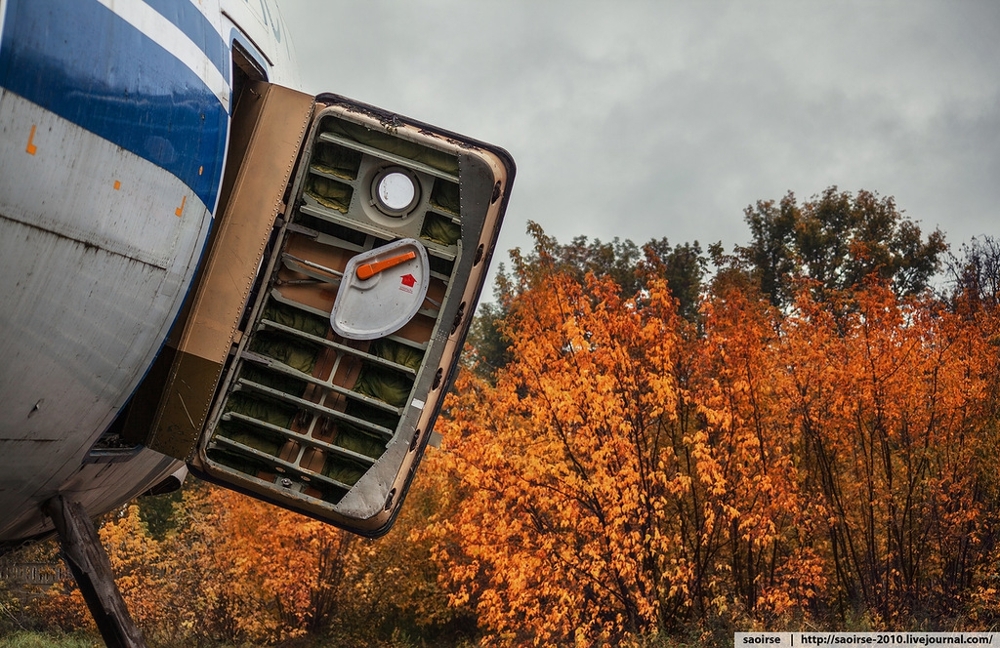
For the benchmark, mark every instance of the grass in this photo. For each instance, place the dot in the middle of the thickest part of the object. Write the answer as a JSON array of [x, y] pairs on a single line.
[[24, 639]]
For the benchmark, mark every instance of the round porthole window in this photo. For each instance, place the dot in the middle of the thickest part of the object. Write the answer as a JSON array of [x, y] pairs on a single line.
[[395, 191]]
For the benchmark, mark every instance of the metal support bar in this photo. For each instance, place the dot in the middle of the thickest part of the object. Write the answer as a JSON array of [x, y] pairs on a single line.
[[85, 556]]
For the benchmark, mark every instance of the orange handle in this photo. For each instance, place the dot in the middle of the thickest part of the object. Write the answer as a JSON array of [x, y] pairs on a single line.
[[369, 270]]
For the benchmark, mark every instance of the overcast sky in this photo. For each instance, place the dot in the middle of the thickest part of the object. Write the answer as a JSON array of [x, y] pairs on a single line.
[[649, 119]]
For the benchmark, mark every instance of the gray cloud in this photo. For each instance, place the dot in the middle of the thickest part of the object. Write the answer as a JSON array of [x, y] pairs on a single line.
[[650, 119]]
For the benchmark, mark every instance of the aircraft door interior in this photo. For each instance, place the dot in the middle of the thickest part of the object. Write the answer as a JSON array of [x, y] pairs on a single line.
[[332, 306]]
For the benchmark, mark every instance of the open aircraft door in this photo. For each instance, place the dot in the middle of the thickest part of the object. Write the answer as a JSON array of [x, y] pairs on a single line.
[[349, 254]]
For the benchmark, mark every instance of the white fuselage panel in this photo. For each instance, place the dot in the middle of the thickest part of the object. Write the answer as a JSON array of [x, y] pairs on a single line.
[[114, 124], [100, 245]]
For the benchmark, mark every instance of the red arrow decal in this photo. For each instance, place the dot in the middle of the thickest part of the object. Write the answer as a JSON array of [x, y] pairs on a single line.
[[408, 280]]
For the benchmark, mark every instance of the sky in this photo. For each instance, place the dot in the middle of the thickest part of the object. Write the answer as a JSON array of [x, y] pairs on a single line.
[[650, 119]]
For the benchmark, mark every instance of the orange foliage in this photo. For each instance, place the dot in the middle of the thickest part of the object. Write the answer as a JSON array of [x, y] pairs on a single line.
[[895, 441], [570, 470], [632, 472], [241, 571], [254, 572], [141, 571], [626, 475]]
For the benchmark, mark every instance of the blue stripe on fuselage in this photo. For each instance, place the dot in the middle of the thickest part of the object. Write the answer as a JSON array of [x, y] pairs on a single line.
[[82, 62], [186, 17]]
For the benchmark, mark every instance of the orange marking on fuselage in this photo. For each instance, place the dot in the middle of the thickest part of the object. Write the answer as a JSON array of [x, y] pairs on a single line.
[[118, 185], [31, 149], [180, 210]]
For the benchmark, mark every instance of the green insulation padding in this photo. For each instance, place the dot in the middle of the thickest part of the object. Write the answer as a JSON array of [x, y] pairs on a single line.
[[256, 439], [440, 230], [296, 319], [354, 440], [386, 385], [294, 353], [342, 471], [330, 193], [261, 409], [336, 160], [401, 354], [392, 144], [446, 195]]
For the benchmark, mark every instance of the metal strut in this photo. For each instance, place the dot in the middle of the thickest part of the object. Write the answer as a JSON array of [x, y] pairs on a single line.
[[84, 554]]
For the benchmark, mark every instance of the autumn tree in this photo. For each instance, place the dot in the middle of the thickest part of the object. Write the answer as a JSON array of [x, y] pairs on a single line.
[[623, 263], [837, 240], [894, 437], [761, 562], [255, 572], [235, 570], [142, 572], [622, 476], [259, 573], [559, 538], [974, 276], [605, 469]]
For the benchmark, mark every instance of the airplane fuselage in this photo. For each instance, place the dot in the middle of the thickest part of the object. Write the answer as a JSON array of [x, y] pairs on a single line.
[[115, 123]]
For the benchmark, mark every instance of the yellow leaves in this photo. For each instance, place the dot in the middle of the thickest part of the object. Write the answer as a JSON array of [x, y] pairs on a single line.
[[555, 519], [617, 451], [625, 476]]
